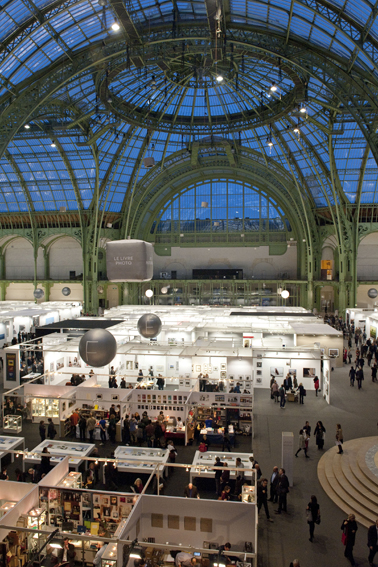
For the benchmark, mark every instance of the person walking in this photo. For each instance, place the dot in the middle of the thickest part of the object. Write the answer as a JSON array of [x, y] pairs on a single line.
[[262, 497], [282, 491], [102, 425], [349, 527], [372, 541], [302, 443], [319, 432], [374, 369], [42, 430], [91, 426], [352, 375], [339, 438], [316, 385], [274, 391], [302, 393], [350, 354], [312, 515], [359, 377], [218, 474]]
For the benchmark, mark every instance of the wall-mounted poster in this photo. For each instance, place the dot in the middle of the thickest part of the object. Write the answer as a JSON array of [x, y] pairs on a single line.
[[59, 363], [373, 332], [276, 371], [11, 366], [247, 343], [309, 373]]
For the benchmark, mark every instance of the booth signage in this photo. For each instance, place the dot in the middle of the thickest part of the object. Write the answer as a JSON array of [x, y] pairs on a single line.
[[129, 261], [11, 360]]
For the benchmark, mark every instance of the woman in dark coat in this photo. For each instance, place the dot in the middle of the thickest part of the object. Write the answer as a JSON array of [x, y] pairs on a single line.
[[319, 434], [349, 527], [313, 513]]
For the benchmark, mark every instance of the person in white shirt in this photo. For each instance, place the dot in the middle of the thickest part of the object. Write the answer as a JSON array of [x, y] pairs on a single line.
[[101, 549]]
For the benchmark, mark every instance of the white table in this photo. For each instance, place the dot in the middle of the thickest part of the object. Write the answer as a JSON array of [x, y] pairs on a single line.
[[208, 459], [61, 449], [142, 460], [9, 444]]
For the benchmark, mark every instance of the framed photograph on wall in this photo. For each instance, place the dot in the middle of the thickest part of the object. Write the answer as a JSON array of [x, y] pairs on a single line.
[[334, 352], [223, 374], [198, 368], [259, 364], [277, 371], [309, 372], [223, 366], [258, 372]]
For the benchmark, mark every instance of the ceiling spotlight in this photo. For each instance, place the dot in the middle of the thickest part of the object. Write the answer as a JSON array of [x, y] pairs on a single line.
[[53, 144], [115, 26], [109, 99], [273, 88], [296, 130], [219, 78], [27, 126], [303, 109], [149, 293], [270, 143]]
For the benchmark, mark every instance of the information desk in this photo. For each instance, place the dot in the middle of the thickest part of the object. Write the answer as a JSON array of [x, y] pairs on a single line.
[[208, 459], [216, 436], [10, 444], [61, 449], [145, 459]]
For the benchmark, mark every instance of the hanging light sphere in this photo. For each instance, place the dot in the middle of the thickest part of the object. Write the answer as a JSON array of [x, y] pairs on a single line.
[[97, 347], [38, 293], [66, 291], [149, 293], [149, 325], [164, 290], [285, 294]]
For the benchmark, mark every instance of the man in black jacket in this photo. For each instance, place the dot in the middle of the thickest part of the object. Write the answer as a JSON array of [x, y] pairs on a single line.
[[273, 485], [262, 497], [67, 554], [282, 490], [372, 541]]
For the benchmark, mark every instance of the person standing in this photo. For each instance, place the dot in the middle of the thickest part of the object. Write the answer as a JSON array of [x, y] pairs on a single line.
[[191, 491], [123, 383], [82, 427], [350, 354], [373, 541], [273, 485], [42, 430], [274, 391], [319, 434], [282, 397], [374, 369], [339, 438], [282, 491], [359, 377], [262, 497], [312, 515], [112, 429], [67, 553], [349, 527], [316, 385], [102, 424], [51, 431], [302, 393], [101, 549], [91, 425]]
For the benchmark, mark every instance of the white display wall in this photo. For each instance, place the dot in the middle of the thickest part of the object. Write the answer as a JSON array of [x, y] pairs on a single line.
[[280, 363], [65, 394], [326, 380]]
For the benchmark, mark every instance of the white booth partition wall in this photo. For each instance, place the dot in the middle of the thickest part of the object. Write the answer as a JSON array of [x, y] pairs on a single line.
[[326, 389], [28, 501], [328, 339], [302, 363], [10, 494], [179, 523], [56, 474], [358, 316]]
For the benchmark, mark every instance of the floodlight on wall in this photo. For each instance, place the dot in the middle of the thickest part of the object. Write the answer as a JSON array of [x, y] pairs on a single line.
[[109, 225], [148, 293], [181, 235], [27, 126], [115, 26], [216, 223], [204, 205], [53, 144], [149, 162], [62, 209], [285, 294]]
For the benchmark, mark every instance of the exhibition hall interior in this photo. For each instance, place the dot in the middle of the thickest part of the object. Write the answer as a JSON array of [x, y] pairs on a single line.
[[188, 283]]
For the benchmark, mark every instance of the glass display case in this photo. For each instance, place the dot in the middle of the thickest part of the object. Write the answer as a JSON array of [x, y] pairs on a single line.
[[248, 493], [13, 423], [71, 480], [45, 407], [109, 558], [36, 519]]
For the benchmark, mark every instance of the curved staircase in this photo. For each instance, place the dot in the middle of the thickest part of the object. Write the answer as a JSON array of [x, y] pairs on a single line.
[[348, 480]]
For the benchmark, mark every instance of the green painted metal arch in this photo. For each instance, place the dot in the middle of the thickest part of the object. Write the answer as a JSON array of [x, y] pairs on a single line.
[[275, 183]]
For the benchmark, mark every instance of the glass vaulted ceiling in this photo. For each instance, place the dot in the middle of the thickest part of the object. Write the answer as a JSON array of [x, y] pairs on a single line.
[[162, 98]]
